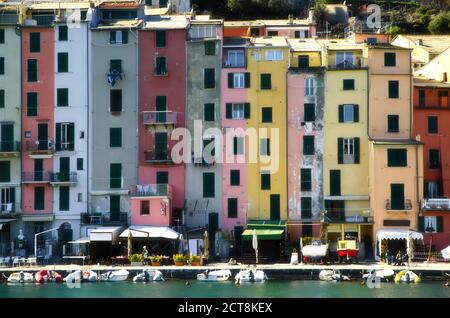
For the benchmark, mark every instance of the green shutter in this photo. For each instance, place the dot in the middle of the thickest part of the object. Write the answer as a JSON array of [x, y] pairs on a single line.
[[305, 179], [266, 114], [62, 97], [5, 171], [112, 37], [32, 104], [340, 147], [306, 208], [63, 62], [247, 80], [2, 65], [355, 113], [115, 65], [421, 225], [115, 170], [39, 198], [439, 224], [303, 61], [397, 157], [341, 113], [209, 112], [114, 207], [389, 59], [393, 89], [432, 125], [2, 36], [79, 163], [2, 98], [35, 42], [266, 81], [235, 177], [116, 100], [71, 136], [348, 84], [393, 123], [125, 37], [310, 112], [62, 33], [64, 195], [32, 71], [160, 68], [247, 110], [232, 207], [230, 80], [297, 34], [397, 196], [229, 110], [210, 48], [209, 78], [335, 182], [265, 181], [356, 149], [308, 145], [160, 38], [115, 137], [162, 177], [208, 185], [58, 136], [12, 198]]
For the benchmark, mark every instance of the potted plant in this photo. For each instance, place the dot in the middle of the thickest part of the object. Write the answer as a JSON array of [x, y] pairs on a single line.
[[195, 260], [136, 259], [156, 260], [179, 259]]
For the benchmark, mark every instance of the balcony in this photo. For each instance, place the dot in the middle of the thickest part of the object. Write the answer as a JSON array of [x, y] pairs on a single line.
[[41, 20], [9, 148], [105, 219], [11, 208], [40, 148], [36, 177], [167, 118], [399, 206], [350, 64], [151, 190], [436, 204], [63, 178], [349, 215], [6, 18], [158, 157]]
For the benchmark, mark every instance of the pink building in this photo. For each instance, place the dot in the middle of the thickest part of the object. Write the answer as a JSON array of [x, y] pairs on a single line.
[[159, 197]]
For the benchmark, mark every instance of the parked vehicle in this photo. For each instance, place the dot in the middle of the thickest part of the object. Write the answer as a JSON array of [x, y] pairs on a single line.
[[214, 276], [250, 275], [21, 277], [115, 276], [315, 252], [148, 275]]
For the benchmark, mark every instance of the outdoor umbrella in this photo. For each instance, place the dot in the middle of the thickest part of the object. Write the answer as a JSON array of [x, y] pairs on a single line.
[[409, 246], [255, 244], [301, 250], [206, 245], [130, 242], [181, 244]]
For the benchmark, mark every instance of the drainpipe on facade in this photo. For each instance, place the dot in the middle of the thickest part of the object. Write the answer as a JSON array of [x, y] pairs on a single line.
[[19, 34], [137, 112], [417, 186], [87, 120]]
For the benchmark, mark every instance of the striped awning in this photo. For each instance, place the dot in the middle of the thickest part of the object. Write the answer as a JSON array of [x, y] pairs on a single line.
[[264, 235]]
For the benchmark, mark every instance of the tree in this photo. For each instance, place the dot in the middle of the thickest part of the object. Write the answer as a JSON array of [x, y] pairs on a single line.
[[394, 30], [439, 24]]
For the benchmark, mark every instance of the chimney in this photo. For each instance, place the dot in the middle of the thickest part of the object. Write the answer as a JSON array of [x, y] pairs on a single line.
[[291, 19], [419, 42]]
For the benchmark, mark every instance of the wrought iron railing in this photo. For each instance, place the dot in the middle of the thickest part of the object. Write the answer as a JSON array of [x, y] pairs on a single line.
[[10, 146], [150, 190], [160, 117], [56, 177], [398, 206]]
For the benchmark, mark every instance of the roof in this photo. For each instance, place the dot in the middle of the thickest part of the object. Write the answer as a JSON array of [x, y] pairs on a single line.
[[167, 22], [234, 41], [386, 46], [119, 24], [285, 23], [399, 142], [421, 81], [204, 19], [267, 41], [118, 4], [231, 24], [340, 44], [304, 44], [431, 43], [155, 11]]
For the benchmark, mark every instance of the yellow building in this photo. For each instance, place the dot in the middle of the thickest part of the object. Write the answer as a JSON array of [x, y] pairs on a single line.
[[346, 161], [268, 60]]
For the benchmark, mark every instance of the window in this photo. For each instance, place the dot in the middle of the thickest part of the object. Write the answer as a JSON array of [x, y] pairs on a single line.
[[232, 207], [208, 185], [160, 65], [266, 81], [235, 177], [118, 37], [432, 189], [202, 31], [64, 198], [79, 164], [115, 101], [35, 42], [115, 137], [305, 179], [309, 86], [432, 124], [389, 59], [209, 112], [160, 38], [62, 97], [162, 177], [335, 182], [238, 146], [65, 133], [210, 48], [115, 175], [303, 61], [266, 113], [348, 84], [62, 33], [274, 55], [115, 66], [32, 104], [310, 112], [235, 58], [237, 111], [348, 150], [2, 36], [397, 157], [163, 3], [393, 123], [238, 80], [2, 66], [306, 206], [265, 180], [32, 70], [264, 147], [209, 147], [442, 98], [397, 196], [8, 195], [145, 207], [209, 78], [431, 224], [421, 98], [257, 56], [63, 62], [39, 198], [344, 58], [308, 145], [2, 98], [272, 33], [254, 32], [348, 113], [393, 89], [433, 159], [5, 171]]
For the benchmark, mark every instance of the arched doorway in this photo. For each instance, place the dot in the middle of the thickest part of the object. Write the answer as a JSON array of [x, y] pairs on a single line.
[[65, 234]]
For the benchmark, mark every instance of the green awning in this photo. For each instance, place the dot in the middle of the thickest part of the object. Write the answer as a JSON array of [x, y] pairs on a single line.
[[262, 234], [266, 224]]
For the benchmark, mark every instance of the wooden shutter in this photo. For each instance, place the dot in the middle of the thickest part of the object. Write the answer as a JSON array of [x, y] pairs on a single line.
[[397, 196], [393, 89], [63, 62], [439, 224], [340, 147], [208, 185], [112, 37], [5, 171], [235, 177], [306, 208], [79, 163], [62, 98], [71, 136], [2, 98], [229, 110], [209, 112], [232, 207], [356, 149], [64, 194], [58, 136], [62, 33], [160, 38], [341, 113], [335, 182], [305, 179], [355, 113], [310, 112], [421, 225], [32, 72], [247, 80], [389, 59], [125, 37], [35, 42], [115, 137], [247, 110], [32, 104], [230, 80], [265, 181], [115, 175], [39, 198]]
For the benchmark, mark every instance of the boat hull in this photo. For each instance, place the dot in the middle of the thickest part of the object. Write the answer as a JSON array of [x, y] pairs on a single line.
[[215, 276]]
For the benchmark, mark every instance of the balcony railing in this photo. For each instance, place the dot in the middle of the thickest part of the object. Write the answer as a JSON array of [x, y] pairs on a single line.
[[36, 176], [150, 190], [46, 146], [158, 156], [398, 206], [104, 218], [9, 208], [436, 204], [63, 177], [10, 146], [42, 20], [160, 117], [350, 215], [350, 64], [9, 18]]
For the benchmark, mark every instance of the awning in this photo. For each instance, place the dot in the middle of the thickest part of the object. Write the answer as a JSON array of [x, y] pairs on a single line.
[[151, 232], [3, 222], [263, 235], [399, 234], [37, 218], [105, 234], [83, 240], [266, 224]]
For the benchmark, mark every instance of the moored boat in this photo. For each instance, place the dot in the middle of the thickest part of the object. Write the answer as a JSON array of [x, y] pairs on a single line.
[[89, 276], [74, 277], [315, 252], [215, 276], [381, 274], [250, 276], [330, 275], [21, 277], [115, 276], [47, 276], [348, 249], [407, 277], [148, 275]]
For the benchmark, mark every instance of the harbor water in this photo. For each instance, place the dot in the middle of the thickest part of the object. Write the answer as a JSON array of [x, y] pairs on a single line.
[[195, 289]]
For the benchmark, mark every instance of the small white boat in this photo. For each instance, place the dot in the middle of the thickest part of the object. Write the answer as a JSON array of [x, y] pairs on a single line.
[[382, 274], [214, 276], [21, 277], [74, 277], [115, 276], [330, 275], [250, 276], [148, 275], [407, 277], [314, 252], [446, 253], [89, 276]]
